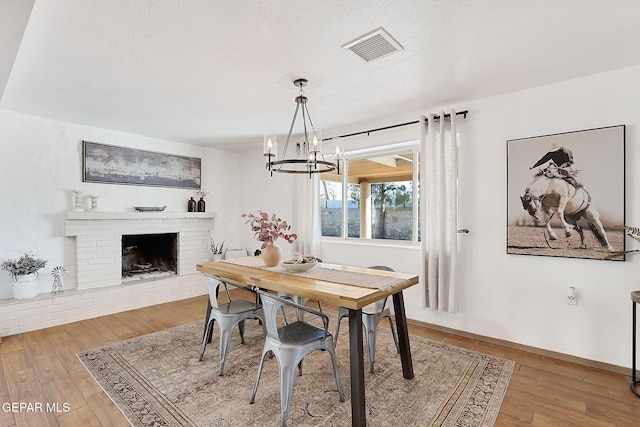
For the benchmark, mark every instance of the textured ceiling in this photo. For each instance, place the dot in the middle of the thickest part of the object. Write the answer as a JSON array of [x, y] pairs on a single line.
[[215, 72]]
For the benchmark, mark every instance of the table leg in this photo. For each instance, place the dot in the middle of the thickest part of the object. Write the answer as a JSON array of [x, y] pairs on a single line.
[[634, 380], [403, 335], [356, 354]]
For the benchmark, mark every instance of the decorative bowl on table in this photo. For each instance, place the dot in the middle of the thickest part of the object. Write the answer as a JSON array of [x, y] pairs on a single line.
[[299, 264]]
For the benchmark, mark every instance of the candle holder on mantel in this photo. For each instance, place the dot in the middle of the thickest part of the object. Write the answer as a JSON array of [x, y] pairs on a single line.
[[77, 200], [94, 203]]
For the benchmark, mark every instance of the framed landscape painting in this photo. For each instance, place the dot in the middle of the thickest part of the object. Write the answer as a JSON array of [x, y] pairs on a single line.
[[566, 194], [120, 165]]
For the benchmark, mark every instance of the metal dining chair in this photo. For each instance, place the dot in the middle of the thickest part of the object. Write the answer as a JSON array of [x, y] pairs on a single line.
[[298, 300], [290, 344], [371, 316], [228, 254], [228, 315]]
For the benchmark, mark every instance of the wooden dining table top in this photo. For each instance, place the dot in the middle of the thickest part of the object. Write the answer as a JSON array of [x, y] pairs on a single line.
[[331, 292]]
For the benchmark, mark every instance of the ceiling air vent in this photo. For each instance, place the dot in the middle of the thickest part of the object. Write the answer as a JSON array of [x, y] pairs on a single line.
[[374, 45]]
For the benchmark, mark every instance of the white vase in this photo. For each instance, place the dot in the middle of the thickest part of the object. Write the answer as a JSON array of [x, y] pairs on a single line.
[[25, 286], [271, 255], [216, 257]]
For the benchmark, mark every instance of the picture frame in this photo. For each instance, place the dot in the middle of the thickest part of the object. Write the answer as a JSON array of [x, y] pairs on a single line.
[[110, 164], [589, 185]]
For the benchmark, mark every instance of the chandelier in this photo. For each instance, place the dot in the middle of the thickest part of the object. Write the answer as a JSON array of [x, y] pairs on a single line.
[[308, 156]]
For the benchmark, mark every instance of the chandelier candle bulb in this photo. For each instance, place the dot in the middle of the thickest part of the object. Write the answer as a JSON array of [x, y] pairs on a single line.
[[270, 145], [316, 141], [338, 147]]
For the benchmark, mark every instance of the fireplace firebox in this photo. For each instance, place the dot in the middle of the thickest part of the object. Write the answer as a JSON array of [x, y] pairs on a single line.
[[149, 255]]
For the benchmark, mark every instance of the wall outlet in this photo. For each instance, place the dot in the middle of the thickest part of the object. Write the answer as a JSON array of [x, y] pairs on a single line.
[[572, 296]]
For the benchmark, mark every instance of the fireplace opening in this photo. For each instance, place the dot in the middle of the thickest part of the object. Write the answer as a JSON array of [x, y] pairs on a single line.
[[149, 255]]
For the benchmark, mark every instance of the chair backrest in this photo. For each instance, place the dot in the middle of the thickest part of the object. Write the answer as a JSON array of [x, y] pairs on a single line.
[[271, 305], [236, 253], [381, 267], [213, 283], [379, 305]]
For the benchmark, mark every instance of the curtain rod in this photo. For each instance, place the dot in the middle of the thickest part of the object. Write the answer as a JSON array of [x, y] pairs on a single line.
[[435, 118]]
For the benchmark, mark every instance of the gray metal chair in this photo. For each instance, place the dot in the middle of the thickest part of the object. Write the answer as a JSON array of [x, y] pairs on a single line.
[[290, 344], [228, 315], [298, 300], [371, 316]]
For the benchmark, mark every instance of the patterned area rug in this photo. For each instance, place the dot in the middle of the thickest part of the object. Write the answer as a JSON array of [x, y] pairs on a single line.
[[157, 380]]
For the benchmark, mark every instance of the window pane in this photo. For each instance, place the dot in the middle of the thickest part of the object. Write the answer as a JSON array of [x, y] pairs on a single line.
[[392, 212], [331, 208], [354, 210]]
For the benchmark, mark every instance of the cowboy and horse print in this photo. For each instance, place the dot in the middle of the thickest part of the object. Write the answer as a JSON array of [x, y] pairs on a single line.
[[566, 194]]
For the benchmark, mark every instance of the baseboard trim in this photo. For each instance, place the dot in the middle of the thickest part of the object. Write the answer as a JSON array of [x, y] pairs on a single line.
[[529, 349], [515, 346]]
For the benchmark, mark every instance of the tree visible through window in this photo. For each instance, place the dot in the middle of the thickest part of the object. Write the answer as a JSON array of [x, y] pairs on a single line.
[[379, 198], [393, 218]]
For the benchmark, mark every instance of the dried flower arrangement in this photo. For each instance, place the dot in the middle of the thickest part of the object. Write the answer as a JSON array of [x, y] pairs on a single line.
[[216, 248], [268, 228], [202, 193], [26, 264], [634, 233]]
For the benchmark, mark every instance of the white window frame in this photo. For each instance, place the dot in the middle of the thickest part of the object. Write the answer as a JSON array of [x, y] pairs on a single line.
[[397, 148]]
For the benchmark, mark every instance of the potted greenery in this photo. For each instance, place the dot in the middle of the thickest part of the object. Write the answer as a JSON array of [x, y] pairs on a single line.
[[24, 272], [217, 250], [268, 228]]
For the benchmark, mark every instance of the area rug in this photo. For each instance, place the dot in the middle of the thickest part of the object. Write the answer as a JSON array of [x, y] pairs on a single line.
[[157, 380]]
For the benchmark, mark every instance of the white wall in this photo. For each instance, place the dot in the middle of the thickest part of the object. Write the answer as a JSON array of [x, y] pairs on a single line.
[[42, 163], [512, 297]]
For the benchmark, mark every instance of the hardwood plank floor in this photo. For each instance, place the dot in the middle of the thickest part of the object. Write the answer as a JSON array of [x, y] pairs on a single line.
[[42, 366]]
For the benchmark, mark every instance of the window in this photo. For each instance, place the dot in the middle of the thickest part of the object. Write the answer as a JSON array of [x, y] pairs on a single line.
[[331, 206], [379, 192]]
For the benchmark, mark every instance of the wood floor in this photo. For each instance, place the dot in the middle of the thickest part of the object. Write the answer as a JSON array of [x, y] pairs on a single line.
[[41, 367]]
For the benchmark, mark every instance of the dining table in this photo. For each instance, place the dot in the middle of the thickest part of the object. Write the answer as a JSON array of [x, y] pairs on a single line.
[[340, 285]]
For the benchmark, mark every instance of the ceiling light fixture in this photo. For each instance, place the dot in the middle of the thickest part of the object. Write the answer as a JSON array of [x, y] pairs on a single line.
[[309, 157]]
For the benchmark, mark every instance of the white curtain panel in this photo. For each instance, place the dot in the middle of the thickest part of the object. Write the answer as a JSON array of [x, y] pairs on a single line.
[[438, 211], [306, 207]]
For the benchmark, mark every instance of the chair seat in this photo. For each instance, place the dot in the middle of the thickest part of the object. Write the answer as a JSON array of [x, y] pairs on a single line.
[[299, 333], [237, 306]]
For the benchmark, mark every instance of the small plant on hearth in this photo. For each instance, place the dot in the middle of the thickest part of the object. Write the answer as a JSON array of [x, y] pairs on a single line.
[[268, 228], [26, 264], [216, 248]]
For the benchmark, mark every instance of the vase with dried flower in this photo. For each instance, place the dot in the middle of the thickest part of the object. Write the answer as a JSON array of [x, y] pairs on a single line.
[[201, 206], [268, 228], [24, 272]]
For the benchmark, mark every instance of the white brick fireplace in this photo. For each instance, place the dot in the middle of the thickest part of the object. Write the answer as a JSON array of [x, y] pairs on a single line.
[[98, 238], [100, 289]]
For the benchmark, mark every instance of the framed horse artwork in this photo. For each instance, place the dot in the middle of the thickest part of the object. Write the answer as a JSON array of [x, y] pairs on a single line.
[[566, 194]]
